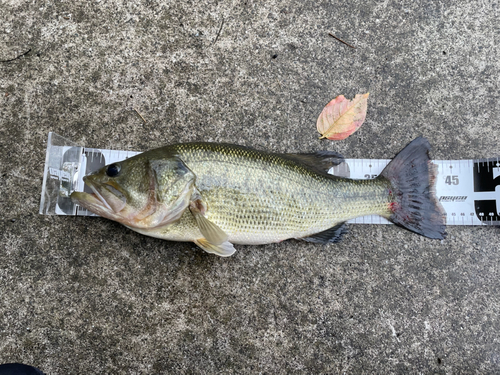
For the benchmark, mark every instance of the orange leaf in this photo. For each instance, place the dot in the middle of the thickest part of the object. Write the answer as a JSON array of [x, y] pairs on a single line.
[[341, 117]]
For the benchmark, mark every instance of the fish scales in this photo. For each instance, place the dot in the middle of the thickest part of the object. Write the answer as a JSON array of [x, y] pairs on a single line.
[[257, 197]]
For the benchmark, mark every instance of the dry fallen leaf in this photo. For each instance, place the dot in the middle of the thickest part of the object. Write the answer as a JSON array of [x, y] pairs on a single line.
[[341, 117]]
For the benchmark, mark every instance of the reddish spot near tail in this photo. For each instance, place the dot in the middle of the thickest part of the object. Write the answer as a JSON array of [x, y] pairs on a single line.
[[396, 207], [393, 206]]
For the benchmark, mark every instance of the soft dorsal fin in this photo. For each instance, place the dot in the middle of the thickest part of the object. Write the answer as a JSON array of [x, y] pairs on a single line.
[[320, 161], [334, 234]]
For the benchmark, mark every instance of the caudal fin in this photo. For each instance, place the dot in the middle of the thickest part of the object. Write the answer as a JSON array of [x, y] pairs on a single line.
[[412, 176]]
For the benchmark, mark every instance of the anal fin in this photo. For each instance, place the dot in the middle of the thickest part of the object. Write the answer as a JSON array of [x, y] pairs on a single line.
[[332, 235], [225, 249]]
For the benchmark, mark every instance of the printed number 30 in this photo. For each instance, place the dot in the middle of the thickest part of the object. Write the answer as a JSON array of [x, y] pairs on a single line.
[[451, 180]]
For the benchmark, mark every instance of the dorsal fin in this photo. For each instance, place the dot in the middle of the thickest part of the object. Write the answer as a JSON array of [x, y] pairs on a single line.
[[334, 234], [320, 161]]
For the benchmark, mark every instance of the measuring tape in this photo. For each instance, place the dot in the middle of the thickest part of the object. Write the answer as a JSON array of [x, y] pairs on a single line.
[[467, 189]]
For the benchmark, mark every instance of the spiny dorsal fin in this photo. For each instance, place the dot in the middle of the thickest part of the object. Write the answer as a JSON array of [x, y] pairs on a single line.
[[334, 234]]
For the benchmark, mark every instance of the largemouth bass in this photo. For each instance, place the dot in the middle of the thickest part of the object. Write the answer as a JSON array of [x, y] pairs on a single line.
[[217, 195]]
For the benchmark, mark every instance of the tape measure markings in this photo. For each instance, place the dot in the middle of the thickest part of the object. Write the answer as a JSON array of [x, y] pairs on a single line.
[[467, 189]]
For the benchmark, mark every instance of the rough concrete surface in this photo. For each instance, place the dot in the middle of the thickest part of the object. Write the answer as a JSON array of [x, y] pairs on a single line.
[[86, 295]]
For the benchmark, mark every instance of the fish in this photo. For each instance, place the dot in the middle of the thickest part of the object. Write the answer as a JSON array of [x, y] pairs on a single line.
[[218, 195]]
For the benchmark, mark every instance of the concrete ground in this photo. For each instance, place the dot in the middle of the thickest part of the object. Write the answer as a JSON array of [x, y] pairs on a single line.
[[86, 295]]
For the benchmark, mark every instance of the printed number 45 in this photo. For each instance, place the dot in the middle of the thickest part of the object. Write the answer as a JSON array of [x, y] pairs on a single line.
[[451, 180]]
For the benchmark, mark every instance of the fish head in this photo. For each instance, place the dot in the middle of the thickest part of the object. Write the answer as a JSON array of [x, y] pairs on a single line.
[[140, 192]]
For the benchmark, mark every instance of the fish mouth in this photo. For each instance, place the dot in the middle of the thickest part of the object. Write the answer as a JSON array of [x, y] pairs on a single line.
[[105, 200], [90, 202], [96, 194]]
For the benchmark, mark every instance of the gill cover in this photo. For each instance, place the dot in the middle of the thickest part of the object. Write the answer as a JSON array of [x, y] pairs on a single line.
[[171, 186]]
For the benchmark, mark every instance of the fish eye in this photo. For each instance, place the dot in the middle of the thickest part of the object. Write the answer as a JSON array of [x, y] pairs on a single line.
[[113, 170]]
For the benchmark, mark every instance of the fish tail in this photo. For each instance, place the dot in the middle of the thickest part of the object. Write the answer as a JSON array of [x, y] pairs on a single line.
[[414, 204]]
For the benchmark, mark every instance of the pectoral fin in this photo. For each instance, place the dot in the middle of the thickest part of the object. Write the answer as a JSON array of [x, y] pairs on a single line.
[[210, 231], [215, 239], [225, 249]]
